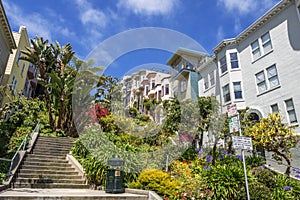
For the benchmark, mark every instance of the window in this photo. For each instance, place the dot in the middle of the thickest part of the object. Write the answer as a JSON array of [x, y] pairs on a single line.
[[147, 89], [212, 78], [291, 110], [237, 90], [272, 76], [223, 65], [18, 59], [167, 89], [234, 61], [226, 93], [261, 46], [153, 84], [183, 86], [271, 82], [274, 108], [261, 82], [266, 43], [255, 50], [206, 83], [23, 69], [13, 84]]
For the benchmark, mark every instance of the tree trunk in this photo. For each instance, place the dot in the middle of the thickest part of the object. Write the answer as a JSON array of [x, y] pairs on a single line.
[[287, 159]]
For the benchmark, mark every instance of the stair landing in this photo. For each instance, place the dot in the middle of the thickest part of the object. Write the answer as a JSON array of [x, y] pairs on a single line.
[[66, 194]]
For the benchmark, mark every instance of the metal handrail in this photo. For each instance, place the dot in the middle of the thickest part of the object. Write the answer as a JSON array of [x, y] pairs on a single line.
[[23, 146]]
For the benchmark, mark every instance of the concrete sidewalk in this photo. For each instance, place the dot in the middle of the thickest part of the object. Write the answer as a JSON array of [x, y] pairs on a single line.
[[27, 193]]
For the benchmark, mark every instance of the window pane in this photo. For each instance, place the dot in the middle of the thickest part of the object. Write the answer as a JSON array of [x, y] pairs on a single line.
[[235, 65], [272, 71], [275, 108], [260, 77], [256, 54], [226, 93], [267, 47], [265, 38], [262, 86], [292, 116], [233, 56], [289, 104], [274, 81], [255, 45], [212, 78], [237, 90], [223, 65]]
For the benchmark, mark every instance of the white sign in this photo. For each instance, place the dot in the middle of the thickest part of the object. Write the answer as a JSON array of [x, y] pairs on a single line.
[[233, 124], [232, 111], [240, 142]]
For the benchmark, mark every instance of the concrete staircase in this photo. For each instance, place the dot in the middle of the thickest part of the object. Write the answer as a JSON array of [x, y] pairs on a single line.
[[47, 166]]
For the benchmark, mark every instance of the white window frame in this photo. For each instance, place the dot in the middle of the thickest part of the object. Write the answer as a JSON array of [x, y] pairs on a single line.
[[260, 82], [267, 79], [14, 83], [222, 66], [225, 94], [291, 110], [261, 46], [270, 77], [237, 60], [273, 106], [234, 89], [206, 83], [23, 69], [167, 88]]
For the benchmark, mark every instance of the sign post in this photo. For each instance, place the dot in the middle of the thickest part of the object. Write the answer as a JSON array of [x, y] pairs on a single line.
[[239, 142]]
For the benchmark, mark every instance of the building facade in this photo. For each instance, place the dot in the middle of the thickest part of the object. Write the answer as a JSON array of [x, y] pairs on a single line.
[[7, 43], [16, 74], [145, 85], [260, 68]]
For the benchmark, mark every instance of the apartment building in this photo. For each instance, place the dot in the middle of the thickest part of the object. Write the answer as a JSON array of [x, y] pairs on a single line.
[[260, 68], [17, 73], [7, 43], [145, 84], [184, 76]]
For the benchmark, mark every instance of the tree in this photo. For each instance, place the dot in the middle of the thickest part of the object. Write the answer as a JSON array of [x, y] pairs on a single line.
[[274, 136]]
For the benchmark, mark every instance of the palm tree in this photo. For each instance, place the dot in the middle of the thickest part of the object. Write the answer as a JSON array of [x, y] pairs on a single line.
[[40, 55]]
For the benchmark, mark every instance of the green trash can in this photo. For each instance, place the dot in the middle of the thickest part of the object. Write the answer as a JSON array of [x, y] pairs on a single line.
[[114, 176]]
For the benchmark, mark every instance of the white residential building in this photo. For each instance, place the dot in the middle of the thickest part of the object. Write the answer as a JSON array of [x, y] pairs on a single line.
[[260, 68]]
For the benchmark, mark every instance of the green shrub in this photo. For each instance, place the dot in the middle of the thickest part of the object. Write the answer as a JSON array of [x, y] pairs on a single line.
[[285, 188], [264, 176], [257, 191], [158, 181], [224, 181], [255, 160]]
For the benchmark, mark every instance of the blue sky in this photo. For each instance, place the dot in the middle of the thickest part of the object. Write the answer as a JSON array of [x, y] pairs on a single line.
[[86, 23]]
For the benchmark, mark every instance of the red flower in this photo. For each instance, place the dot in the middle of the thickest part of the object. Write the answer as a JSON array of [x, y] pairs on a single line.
[[166, 198]]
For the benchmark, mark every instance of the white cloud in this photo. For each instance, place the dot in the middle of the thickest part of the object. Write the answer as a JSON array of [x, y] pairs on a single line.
[[220, 34], [244, 7], [90, 16], [152, 7], [237, 25], [35, 23]]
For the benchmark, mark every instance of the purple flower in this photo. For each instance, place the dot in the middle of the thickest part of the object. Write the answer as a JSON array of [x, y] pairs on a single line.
[[209, 158], [221, 157], [297, 176], [239, 157], [229, 154], [262, 166], [197, 149], [222, 151], [287, 188], [206, 167], [297, 171]]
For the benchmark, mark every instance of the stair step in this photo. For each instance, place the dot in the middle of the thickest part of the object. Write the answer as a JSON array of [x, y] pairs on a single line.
[[49, 176], [46, 171], [47, 156], [42, 167], [41, 159], [49, 163], [48, 180], [62, 154], [55, 140], [53, 146], [51, 185]]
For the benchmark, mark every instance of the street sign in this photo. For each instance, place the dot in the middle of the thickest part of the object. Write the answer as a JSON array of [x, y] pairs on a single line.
[[233, 124], [232, 110], [240, 142]]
